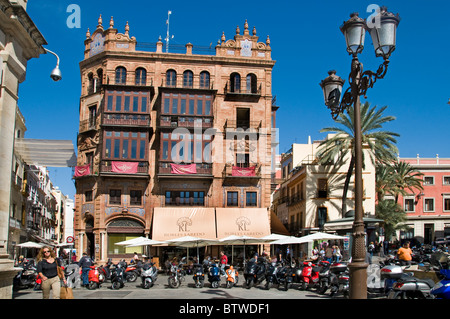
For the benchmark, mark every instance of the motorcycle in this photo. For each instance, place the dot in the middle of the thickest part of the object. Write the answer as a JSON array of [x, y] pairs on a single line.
[[442, 289], [389, 275], [117, 277], [214, 276], [132, 272], [255, 272], [177, 274], [340, 279], [199, 276], [232, 277], [106, 269], [287, 275], [149, 274], [26, 277]]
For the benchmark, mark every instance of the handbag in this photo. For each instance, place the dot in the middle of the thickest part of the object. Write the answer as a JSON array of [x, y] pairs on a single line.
[[66, 293]]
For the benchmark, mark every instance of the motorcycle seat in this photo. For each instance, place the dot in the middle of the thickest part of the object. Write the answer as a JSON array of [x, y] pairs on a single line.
[[429, 282]]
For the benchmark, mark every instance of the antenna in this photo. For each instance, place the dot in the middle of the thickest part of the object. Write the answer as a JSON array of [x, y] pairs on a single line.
[[168, 36]]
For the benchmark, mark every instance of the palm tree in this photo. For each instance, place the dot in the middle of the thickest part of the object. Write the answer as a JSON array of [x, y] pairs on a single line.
[[393, 215], [380, 142], [405, 178]]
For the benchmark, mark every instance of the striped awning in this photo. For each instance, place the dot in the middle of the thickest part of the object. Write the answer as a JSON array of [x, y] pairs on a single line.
[[50, 153]]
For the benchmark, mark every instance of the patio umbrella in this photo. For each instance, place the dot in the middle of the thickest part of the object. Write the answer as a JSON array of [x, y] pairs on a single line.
[[30, 244], [190, 242], [291, 240], [145, 242], [239, 240], [322, 236], [130, 241]]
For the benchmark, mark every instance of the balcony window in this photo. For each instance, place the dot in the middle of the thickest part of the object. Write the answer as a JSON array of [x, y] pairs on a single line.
[[252, 86], [125, 145], [183, 198], [115, 196], [428, 180], [141, 76], [232, 199], [136, 197], [409, 204], [322, 188], [428, 205], [251, 199], [121, 75], [188, 79], [204, 80], [235, 83], [171, 78]]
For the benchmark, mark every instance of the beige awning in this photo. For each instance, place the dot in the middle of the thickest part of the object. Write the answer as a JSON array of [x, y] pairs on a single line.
[[252, 222], [50, 153], [175, 222]]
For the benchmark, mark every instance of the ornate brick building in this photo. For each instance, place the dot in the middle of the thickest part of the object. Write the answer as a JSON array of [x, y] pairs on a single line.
[[172, 144]]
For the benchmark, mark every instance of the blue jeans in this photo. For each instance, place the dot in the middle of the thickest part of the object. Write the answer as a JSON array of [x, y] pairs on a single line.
[[85, 275]]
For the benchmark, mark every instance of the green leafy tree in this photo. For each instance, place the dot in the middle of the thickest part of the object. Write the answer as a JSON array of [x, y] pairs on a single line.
[[393, 215], [382, 143]]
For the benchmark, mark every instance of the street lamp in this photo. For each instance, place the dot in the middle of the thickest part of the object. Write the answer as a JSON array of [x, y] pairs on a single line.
[[383, 33], [56, 72]]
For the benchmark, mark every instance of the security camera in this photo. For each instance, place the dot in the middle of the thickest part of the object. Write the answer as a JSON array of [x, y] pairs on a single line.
[[56, 74]]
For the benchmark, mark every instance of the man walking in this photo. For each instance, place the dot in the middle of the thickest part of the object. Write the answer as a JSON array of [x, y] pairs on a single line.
[[223, 262], [85, 263]]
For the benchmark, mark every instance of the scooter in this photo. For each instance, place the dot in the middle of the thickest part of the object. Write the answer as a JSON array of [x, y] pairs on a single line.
[[214, 276], [255, 272], [287, 275], [177, 274], [95, 278], [389, 275], [410, 287], [106, 269], [310, 275], [132, 272], [199, 276], [442, 289], [324, 276], [339, 279], [149, 274], [273, 275], [117, 277], [26, 277], [232, 277]]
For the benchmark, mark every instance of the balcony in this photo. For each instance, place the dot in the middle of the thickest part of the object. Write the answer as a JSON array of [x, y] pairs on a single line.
[[252, 171], [88, 125], [107, 169], [238, 94], [187, 122], [246, 125], [120, 119], [202, 170]]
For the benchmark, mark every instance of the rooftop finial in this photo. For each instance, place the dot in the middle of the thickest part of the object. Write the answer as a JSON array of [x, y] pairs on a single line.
[[246, 27], [254, 30], [88, 34], [100, 21], [111, 23], [127, 28], [223, 36], [238, 31]]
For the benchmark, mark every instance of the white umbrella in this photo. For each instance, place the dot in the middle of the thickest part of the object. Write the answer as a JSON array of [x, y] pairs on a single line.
[[291, 240], [323, 236], [273, 237], [145, 242], [190, 242], [30, 244], [130, 241]]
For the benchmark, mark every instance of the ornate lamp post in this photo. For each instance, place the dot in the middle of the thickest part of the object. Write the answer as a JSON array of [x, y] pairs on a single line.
[[383, 33]]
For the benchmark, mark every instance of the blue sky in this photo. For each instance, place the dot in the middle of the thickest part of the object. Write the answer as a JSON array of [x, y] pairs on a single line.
[[306, 42]]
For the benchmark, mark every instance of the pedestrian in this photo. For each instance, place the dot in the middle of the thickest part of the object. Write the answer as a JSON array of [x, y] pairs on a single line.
[[47, 268], [135, 258], [371, 250], [386, 247], [85, 263], [223, 262], [405, 254], [329, 254]]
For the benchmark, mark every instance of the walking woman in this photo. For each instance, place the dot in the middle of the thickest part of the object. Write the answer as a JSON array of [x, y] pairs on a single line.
[[48, 271]]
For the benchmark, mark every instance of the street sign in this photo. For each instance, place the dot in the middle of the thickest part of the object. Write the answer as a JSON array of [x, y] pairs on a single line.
[[69, 239]]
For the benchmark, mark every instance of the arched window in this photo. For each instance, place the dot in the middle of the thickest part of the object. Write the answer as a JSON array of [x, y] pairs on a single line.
[[188, 79], [99, 80], [171, 78], [91, 83], [235, 82], [121, 75], [252, 86], [140, 76], [204, 80]]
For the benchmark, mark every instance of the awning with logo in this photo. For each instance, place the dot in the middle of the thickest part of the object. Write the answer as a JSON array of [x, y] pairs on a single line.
[[175, 222], [252, 222]]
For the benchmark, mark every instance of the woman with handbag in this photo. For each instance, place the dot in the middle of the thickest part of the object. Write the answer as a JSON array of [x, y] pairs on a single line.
[[50, 272]]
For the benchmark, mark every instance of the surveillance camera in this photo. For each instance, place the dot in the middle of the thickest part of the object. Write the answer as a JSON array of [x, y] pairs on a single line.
[[56, 74]]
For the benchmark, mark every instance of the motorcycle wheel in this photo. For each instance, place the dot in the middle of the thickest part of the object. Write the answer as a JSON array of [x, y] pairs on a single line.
[[173, 283], [286, 286], [215, 284], [132, 277], [229, 284], [323, 288], [248, 283], [304, 286], [148, 284], [199, 284], [267, 286], [93, 285], [397, 295], [115, 285]]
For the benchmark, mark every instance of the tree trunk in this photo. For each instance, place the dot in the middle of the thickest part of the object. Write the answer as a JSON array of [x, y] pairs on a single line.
[[346, 185]]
